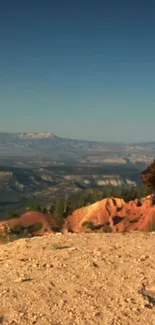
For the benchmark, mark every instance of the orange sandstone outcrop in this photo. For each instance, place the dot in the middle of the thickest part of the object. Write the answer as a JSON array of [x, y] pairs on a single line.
[[46, 223], [111, 214], [121, 216]]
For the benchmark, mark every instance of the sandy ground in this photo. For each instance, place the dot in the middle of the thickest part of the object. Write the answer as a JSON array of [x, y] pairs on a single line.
[[77, 279]]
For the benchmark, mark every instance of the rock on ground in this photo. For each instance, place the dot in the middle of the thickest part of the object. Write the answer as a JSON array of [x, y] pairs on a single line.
[[78, 279]]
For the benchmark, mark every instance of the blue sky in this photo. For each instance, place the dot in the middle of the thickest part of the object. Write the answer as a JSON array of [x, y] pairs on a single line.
[[81, 69]]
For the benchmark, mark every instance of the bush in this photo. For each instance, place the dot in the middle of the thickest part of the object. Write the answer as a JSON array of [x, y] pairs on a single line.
[[18, 229], [152, 225], [36, 227], [12, 215], [107, 228], [21, 230], [89, 225]]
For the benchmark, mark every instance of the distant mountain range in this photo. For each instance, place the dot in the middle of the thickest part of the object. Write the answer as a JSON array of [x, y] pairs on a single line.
[[39, 166], [48, 145]]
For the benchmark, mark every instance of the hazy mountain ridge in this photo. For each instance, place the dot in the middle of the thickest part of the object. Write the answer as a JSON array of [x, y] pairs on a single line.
[[81, 151]]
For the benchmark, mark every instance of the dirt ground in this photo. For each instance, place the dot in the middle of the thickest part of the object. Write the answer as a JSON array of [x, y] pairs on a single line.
[[78, 279]]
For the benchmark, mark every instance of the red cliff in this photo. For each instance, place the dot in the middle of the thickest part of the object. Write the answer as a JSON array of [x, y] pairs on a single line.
[[121, 216]]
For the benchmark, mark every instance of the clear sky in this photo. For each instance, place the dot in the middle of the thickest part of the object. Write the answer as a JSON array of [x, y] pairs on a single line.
[[81, 69]]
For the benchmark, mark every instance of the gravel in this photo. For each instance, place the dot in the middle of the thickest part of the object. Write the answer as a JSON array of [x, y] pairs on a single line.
[[78, 279]]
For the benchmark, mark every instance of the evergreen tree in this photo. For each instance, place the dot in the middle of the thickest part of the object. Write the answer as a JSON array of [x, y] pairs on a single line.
[[35, 207]]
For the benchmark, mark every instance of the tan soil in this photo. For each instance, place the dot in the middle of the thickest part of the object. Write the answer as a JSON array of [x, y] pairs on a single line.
[[94, 280]]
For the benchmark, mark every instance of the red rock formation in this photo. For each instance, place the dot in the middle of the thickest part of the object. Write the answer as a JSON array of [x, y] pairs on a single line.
[[122, 216], [46, 223], [112, 214]]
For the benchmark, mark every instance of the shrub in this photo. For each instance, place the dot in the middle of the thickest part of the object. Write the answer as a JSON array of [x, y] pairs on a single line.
[[89, 225], [57, 246], [152, 225], [36, 227], [12, 215], [21, 230], [18, 229], [106, 227]]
